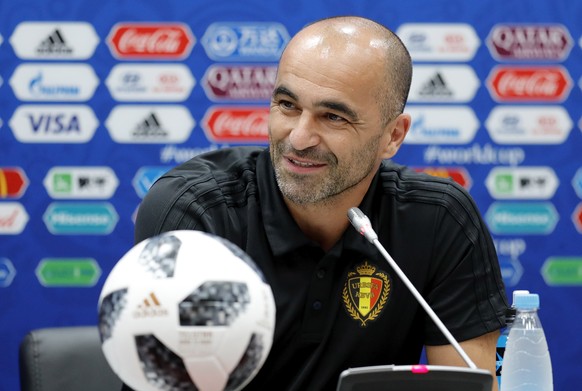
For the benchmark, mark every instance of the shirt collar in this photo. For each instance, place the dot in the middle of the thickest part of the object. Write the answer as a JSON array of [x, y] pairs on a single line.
[[283, 233]]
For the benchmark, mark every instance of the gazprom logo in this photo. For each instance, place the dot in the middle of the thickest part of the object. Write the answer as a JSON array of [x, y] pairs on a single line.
[[63, 218], [54, 82], [228, 41], [441, 125], [535, 218]]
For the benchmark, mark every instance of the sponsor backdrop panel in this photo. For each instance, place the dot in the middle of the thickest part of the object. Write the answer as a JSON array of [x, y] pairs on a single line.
[[98, 99]]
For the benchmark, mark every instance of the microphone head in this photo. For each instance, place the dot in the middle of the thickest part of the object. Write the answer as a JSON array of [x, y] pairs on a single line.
[[362, 223]]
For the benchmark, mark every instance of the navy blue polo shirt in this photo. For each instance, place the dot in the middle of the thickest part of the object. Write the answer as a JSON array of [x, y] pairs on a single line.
[[345, 307]]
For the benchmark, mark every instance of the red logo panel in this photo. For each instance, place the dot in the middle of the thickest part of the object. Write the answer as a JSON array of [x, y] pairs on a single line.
[[529, 84], [13, 182], [168, 41], [237, 124], [457, 174]]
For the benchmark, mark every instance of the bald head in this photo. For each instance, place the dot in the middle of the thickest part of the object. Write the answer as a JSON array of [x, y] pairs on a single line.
[[362, 41]]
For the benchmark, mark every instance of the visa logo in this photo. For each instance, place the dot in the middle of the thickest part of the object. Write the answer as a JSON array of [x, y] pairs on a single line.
[[54, 123]]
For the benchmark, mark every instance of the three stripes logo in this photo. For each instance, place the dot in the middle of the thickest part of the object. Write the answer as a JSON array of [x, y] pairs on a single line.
[[150, 127], [150, 307], [54, 44], [436, 86]]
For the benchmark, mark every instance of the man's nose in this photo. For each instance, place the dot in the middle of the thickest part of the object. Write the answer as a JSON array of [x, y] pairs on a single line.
[[304, 134]]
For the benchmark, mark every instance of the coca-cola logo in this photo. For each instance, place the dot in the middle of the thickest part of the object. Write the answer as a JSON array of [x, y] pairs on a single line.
[[150, 41], [237, 124], [529, 42], [239, 82], [529, 84]]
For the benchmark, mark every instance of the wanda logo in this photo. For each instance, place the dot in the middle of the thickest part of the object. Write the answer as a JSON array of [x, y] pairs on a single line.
[[237, 124], [530, 84], [153, 41]]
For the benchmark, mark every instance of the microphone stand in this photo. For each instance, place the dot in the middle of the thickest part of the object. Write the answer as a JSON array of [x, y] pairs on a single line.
[[362, 224]]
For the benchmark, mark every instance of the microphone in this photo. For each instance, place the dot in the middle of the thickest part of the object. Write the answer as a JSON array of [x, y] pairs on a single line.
[[362, 224]]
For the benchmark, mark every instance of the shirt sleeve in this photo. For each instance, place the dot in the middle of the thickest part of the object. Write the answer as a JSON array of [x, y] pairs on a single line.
[[160, 211], [467, 290]]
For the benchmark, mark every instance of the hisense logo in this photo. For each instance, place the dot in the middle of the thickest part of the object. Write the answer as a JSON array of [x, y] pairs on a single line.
[[150, 307]]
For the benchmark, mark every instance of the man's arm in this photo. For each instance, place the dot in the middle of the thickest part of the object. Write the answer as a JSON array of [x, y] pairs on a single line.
[[481, 350]]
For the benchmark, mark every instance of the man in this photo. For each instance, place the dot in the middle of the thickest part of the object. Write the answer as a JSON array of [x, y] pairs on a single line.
[[336, 118]]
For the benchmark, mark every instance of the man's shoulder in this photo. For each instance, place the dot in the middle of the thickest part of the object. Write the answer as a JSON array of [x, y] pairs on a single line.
[[407, 183], [218, 166]]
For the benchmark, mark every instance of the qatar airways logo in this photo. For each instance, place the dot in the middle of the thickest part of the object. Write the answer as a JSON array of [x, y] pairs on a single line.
[[237, 124], [551, 42], [529, 84], [239, 82], [163, 41]]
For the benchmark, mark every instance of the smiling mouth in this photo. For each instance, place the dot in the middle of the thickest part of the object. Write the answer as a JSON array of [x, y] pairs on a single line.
[[303, 164]]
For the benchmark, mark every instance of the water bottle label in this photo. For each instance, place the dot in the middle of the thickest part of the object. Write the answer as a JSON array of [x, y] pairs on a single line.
[[501, 342]]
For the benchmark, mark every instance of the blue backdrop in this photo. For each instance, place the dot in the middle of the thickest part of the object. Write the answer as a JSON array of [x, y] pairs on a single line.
[[87, 123]]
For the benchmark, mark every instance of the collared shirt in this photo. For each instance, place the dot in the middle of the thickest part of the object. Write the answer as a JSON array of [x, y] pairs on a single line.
[[345, 307]]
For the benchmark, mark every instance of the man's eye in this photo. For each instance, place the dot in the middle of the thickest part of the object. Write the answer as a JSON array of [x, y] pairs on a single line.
[[335, 118], [286, 105]]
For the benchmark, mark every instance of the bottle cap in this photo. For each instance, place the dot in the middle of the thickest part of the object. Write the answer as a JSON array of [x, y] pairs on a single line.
[[519, 292], [528, 301]]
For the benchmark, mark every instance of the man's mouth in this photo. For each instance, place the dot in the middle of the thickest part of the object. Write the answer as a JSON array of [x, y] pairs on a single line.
[[303, 164]]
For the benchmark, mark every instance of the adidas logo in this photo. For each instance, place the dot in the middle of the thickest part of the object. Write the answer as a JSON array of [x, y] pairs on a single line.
[[150, 307], [436, 86], [54, 44], [150, 127]]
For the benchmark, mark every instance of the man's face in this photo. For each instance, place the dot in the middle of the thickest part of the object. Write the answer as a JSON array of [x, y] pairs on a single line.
[[325, 126]]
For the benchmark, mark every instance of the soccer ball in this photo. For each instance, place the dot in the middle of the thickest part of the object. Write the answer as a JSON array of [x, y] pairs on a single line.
[[186, 310]]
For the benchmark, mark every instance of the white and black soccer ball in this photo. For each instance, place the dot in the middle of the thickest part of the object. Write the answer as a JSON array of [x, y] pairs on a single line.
[[186, 310]]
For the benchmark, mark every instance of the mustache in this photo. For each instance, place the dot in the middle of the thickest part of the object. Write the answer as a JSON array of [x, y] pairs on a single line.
[[311, 153]]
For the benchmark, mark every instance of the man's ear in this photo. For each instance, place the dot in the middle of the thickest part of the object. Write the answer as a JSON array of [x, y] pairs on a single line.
[[398, 129]]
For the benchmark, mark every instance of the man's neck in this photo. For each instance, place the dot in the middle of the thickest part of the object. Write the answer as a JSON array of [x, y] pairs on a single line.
[[324, 222]]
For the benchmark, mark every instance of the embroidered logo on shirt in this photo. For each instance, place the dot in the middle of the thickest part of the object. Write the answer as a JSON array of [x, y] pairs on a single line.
[[366, 292]]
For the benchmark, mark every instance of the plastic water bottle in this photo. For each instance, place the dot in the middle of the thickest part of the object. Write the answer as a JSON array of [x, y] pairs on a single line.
[[526, 364], [502, 340]]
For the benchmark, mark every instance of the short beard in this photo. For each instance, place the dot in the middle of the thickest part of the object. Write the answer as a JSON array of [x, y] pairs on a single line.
[[302, 190]]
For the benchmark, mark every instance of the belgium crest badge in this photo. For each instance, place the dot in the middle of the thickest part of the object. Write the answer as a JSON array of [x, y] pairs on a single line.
[[366, 292]]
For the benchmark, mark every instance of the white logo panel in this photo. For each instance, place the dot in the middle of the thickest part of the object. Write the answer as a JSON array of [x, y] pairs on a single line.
[[529, 124], [441, 125], [81, 182], [150, 82], [149, 124], [13, 218], [522, 183], [54, 40], [439, 41], [54, 82], [53, 123], [445, 83]]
